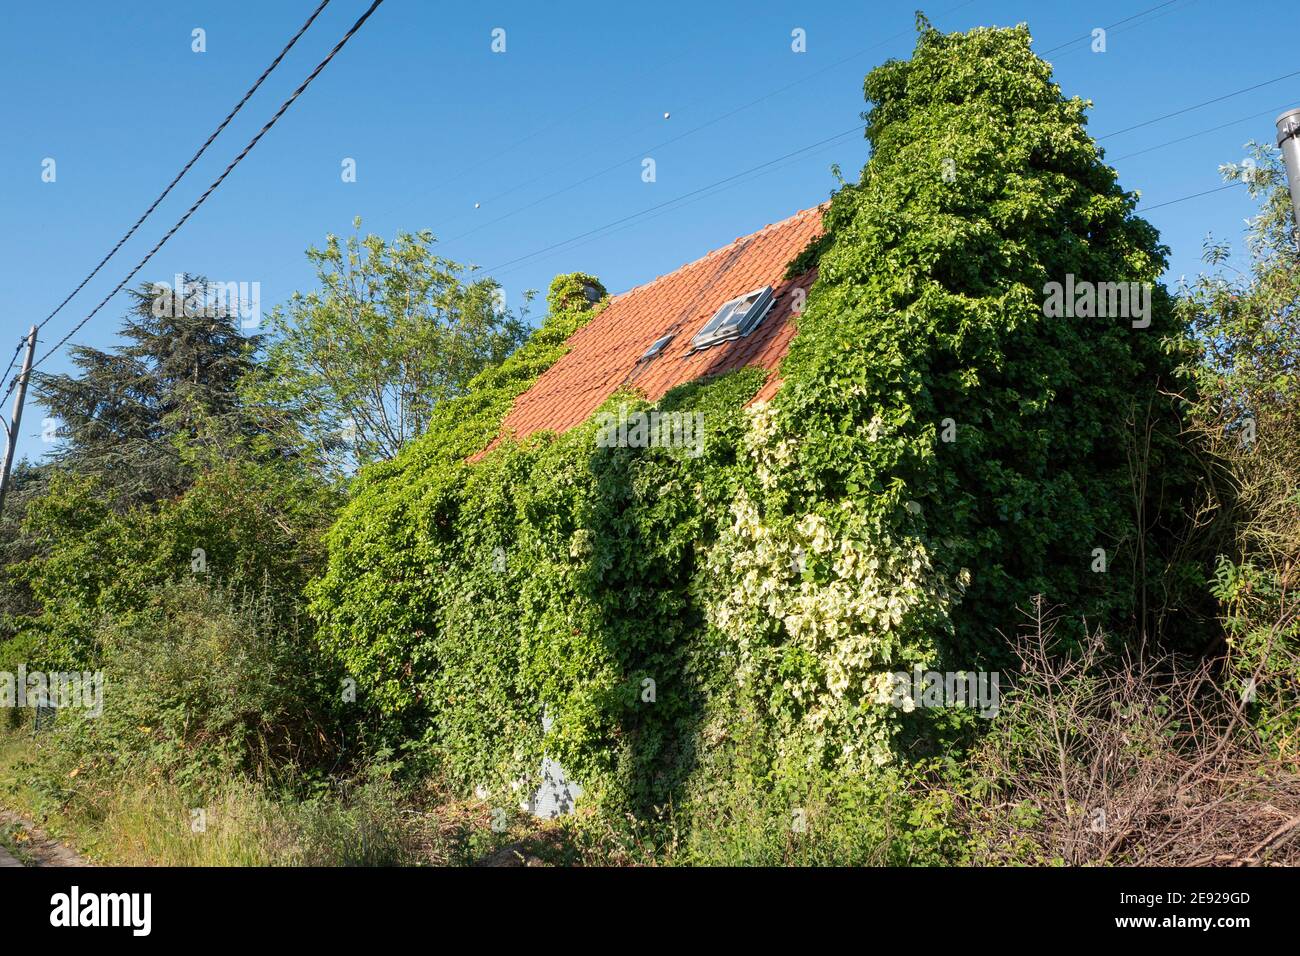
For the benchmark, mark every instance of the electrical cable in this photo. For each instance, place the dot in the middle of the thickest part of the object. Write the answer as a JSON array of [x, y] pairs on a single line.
[[186, 168], [218, 181]]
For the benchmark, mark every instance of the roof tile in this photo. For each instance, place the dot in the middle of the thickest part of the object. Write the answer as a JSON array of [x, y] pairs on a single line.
[[603, 355]]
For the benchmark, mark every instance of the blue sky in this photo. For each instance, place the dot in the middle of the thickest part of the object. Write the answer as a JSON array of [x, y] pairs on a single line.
[[548, 137]]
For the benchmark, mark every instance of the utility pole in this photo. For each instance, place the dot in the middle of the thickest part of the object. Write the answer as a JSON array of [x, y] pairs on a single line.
[[12, 431], [1288, 140]]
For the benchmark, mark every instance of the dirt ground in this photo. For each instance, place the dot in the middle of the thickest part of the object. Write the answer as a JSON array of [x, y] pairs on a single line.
[[32, 846]]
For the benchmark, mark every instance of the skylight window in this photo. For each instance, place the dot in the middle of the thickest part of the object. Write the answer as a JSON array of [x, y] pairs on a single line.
[[735, 319], [656, 347]]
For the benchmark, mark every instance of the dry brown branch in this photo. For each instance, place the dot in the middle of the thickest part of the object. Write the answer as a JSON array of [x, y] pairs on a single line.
[[1103, 759]]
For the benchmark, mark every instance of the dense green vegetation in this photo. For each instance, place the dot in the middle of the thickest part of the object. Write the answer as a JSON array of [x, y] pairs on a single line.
[[928, 313], [1245, 341], [705, 641]]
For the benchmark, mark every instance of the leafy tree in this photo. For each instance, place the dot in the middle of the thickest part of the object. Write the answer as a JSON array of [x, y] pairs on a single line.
[[393, 331], [166, 473], [1245, 342]]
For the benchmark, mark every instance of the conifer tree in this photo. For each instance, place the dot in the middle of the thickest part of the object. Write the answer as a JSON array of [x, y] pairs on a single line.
[[129, 411]]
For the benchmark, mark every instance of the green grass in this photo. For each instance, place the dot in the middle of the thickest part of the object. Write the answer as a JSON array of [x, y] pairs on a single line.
[[148, 822], [141, 820]]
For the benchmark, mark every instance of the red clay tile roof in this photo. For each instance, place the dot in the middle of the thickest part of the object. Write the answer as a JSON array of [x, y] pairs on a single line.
[[603, 354]]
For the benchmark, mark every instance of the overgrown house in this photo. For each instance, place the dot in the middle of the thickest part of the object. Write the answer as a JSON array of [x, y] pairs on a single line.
[[735, 307], [938, 451]]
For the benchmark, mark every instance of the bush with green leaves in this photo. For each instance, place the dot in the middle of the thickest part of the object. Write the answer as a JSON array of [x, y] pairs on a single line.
[[374, 600], [201, 685], [928, 386], [393, 331], [550, 576], [242, 525]]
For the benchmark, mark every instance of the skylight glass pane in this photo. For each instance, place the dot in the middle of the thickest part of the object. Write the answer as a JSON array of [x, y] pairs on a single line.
[[731, 323], [734, 319], [730, 317], [656, 347], [719, 317]]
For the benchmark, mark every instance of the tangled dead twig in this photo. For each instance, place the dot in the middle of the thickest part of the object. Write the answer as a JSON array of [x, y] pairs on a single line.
[[1104, 759]]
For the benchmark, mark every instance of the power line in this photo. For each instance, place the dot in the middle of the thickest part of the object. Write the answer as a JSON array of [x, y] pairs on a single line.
[[219, 180], [680, 136], [186, 168], [602, 172], [497, 270], [726, 115], [660, 207], [12, 362], [678, 203], [1185, 198], [1151, 19], [1197, 106], [1088, 36], [567, 114], [545, 249], [1202, 132], [676, 199]]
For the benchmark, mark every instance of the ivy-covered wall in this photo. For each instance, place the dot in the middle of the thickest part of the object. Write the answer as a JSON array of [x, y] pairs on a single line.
[[941, 450]]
